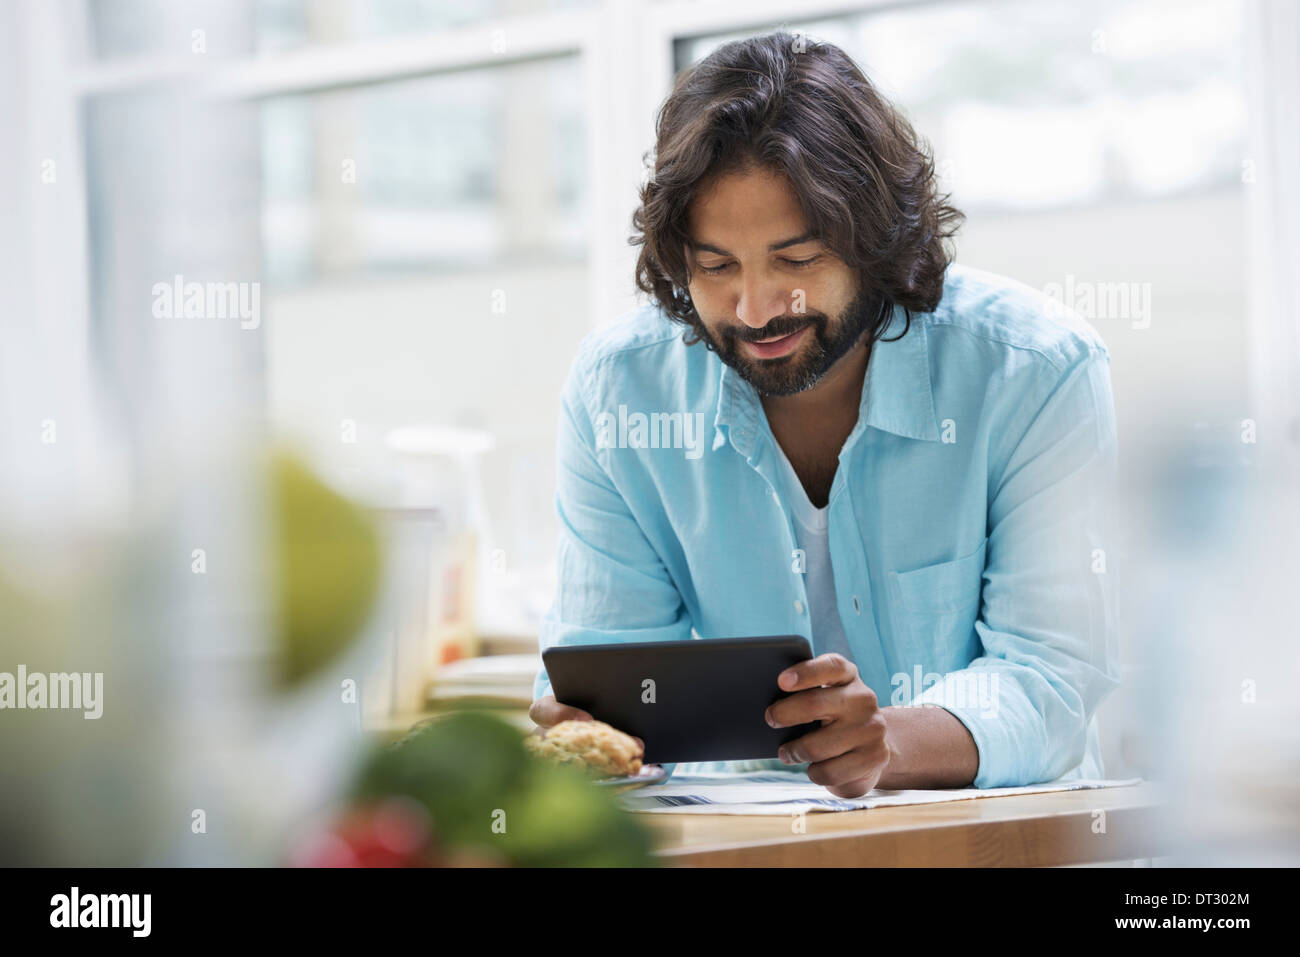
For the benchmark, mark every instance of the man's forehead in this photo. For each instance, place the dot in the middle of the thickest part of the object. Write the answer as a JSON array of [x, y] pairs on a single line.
[[707, 246], [753, 203]]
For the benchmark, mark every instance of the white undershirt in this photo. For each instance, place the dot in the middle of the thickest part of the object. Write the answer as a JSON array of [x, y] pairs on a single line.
[[810, 524]]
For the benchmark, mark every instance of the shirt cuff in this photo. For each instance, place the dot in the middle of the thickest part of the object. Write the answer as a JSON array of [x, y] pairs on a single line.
[[1008, 743]]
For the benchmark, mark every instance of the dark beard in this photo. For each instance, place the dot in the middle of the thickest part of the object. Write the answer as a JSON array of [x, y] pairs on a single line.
[[802, 369]]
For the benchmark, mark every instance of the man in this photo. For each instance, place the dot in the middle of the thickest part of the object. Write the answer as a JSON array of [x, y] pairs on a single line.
[[907, 461]]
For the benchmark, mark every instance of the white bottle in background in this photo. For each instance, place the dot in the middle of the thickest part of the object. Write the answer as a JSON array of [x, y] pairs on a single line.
[[438, 469]]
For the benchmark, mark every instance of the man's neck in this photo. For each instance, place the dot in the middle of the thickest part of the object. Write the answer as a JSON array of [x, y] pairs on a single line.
[[811, 426]]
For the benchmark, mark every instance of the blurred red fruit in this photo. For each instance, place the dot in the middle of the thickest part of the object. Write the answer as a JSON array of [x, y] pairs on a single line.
[[394, 833]]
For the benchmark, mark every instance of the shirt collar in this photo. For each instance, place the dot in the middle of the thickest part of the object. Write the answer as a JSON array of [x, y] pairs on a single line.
[[897, 394]]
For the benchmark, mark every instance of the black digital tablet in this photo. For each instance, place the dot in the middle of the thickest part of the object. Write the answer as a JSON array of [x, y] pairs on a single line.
[[697, 700]]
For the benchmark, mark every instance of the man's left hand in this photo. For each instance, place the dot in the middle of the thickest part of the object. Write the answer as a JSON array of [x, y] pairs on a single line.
[[849, 752]]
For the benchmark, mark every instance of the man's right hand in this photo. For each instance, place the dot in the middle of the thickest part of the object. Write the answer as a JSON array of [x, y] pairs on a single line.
[[546, 712]]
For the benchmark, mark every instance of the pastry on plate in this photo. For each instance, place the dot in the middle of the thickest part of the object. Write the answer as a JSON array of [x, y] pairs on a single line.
[[592, 745]]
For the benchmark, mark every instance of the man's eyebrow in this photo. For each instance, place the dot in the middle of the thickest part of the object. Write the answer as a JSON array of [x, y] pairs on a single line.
[[709, 248]]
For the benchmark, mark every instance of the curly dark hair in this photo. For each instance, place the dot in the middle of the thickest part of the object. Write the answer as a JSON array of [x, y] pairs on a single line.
[[866, 182]]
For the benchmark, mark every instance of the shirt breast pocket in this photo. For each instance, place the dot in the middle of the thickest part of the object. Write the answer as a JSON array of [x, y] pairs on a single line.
[[935, 608]]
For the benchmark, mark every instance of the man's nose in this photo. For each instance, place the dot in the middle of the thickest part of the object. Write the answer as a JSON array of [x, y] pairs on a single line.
[[761, 300]]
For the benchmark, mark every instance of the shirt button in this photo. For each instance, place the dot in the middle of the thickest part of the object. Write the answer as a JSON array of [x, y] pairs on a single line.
[[798, 606], [857, 605]]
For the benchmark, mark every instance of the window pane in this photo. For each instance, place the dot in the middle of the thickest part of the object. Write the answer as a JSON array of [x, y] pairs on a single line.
[[288, 24], [438, 173], [1043, 103], [136, 28], [213, 29]]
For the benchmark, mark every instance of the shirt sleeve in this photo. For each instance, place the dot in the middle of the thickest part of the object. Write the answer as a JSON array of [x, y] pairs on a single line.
[[612, 586], [1048, 621]]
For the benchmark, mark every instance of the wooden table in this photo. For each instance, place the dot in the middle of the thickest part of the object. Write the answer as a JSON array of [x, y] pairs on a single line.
[[1028, 830]]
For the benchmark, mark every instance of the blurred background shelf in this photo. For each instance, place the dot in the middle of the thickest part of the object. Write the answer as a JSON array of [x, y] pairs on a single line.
[[499, 683]]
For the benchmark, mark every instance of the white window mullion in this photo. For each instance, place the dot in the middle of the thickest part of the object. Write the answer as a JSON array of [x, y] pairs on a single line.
[[1273, 223]]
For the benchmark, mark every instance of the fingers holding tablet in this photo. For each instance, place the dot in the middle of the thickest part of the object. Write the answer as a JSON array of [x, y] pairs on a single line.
[[827, 669], [547, 712]]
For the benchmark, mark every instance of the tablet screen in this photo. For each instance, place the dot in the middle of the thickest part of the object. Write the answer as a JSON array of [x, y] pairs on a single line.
[[697, 700]]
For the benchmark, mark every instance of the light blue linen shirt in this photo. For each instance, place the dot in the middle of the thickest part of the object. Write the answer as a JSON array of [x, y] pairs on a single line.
[[970, 517]]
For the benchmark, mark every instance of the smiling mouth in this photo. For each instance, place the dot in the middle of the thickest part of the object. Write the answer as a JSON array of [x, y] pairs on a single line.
[[774, 347]]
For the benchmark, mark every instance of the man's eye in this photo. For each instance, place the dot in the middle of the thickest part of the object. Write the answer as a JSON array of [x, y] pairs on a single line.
[[796, 263]]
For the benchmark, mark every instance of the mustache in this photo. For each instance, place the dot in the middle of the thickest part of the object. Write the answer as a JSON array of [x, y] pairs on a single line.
[[783, 326]]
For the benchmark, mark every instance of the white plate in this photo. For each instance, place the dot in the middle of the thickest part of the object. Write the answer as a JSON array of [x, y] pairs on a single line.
[[649, 774]]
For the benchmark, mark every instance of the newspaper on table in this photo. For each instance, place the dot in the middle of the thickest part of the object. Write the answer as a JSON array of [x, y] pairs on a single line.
[[788, 792]]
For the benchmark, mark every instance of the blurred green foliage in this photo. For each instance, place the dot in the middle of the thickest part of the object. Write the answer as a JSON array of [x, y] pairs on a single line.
[[486, 793]]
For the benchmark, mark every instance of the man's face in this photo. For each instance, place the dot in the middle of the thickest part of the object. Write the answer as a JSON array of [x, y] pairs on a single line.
[[780, 313]]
